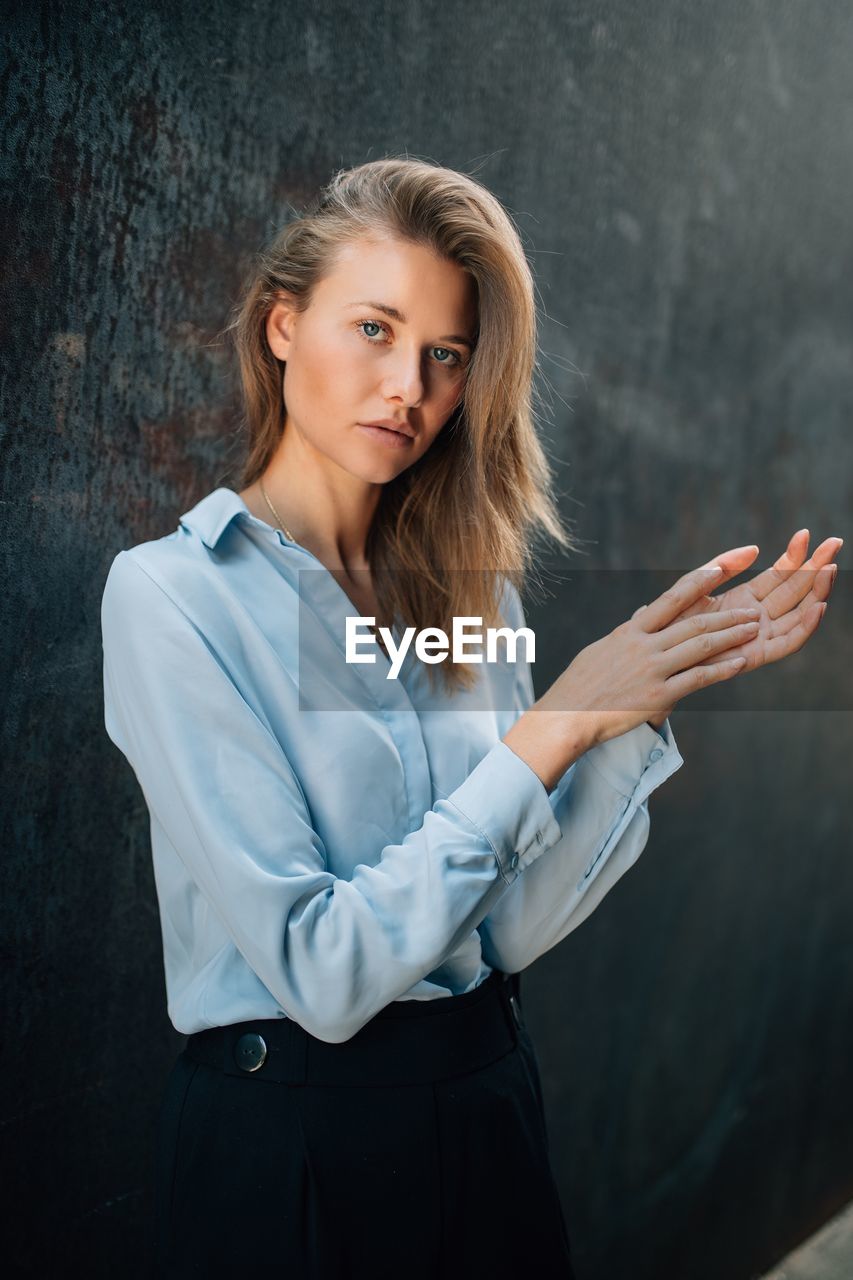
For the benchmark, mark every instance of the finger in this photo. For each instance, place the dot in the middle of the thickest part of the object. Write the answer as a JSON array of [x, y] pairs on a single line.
[[695, 585], [790, 560], [678, 686], [797, 588], [817, 574], [780, 646], [824, 581], [700, 623], [793, 559], [793, 618], [702, 648], [821, 589], [828, 550]]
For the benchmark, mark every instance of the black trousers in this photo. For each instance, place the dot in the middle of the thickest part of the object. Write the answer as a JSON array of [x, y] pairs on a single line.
[[416, 1150]]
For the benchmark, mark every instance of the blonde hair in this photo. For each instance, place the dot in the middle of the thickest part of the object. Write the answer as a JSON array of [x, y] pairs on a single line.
[[462, 517]]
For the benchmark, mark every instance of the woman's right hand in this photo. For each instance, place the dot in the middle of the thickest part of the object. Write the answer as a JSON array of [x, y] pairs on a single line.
[[646, 665], [636, 673], [672, 647]]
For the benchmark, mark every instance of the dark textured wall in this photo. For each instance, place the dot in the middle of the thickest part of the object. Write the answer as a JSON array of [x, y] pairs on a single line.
[[683, 177]]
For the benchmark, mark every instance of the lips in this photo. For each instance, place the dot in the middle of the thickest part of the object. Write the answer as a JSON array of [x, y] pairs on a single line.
[[390, 424], [387, 437]]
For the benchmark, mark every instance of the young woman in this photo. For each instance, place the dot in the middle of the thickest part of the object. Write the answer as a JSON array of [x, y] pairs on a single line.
[[352, 868]]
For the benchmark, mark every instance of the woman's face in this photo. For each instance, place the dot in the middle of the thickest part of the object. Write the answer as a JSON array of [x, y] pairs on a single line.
[[387, 336]]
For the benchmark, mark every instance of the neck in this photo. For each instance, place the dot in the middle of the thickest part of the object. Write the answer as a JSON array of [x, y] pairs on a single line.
[[328, 510]]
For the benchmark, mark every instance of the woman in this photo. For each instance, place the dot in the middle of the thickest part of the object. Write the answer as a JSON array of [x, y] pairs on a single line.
[[351, 867]]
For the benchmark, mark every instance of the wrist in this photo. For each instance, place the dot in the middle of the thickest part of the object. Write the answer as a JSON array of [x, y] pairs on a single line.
[[550, 741]]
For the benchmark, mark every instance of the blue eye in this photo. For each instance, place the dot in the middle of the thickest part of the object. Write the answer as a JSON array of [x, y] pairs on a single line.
[[373, 323], [363, 325]]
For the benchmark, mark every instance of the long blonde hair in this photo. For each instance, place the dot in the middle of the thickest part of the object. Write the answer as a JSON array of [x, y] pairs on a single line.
[[449, 527]]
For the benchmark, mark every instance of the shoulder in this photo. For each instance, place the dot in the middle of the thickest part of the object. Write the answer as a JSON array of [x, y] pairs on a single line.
[[164, 606], [157, 573], [187, 566], [142, 601]]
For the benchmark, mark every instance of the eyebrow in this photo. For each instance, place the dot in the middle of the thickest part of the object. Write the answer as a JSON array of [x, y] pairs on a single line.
[[394, 314]]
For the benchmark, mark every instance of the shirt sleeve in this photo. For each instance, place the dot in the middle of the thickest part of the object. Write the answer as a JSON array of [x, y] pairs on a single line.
[[601, 807], [331, 951]]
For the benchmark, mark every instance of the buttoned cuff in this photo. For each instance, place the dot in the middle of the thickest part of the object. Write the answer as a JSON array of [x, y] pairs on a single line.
[[508, 804], [638, 761]]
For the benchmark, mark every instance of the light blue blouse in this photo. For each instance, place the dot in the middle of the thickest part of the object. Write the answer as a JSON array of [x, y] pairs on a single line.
[[326, 840]]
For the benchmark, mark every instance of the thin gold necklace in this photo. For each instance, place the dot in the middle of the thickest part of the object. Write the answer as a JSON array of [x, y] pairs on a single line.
[[290, 536], [276, 516]]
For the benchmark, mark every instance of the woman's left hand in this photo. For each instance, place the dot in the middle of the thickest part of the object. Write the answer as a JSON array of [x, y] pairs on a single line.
[[790, 598]]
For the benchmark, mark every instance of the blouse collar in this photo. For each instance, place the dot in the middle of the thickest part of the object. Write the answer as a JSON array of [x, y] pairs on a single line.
[[210, 517]]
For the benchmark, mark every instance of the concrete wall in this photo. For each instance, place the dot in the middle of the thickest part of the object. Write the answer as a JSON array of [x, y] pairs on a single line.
[[683, 177]]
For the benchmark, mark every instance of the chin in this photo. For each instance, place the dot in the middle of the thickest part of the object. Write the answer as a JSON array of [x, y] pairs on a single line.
[[375, 470], [378, 474]]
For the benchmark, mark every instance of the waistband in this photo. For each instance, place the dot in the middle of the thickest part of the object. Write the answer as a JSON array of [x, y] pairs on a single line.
[[407, 1042]]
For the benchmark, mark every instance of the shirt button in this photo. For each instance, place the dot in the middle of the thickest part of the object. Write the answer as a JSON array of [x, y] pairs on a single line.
[[514, 862], [656, 754], [250, 1051]]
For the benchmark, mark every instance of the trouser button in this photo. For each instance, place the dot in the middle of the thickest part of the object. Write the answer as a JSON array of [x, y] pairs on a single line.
[[250, 1051]]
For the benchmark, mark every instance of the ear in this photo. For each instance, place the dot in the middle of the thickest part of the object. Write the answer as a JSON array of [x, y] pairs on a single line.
[[279, 325]]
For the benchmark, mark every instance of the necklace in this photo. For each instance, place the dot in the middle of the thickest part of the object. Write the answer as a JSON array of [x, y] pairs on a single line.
[[276, 516], [290, 536]]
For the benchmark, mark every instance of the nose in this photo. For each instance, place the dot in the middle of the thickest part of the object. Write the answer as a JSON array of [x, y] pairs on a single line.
[[404, 381]]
